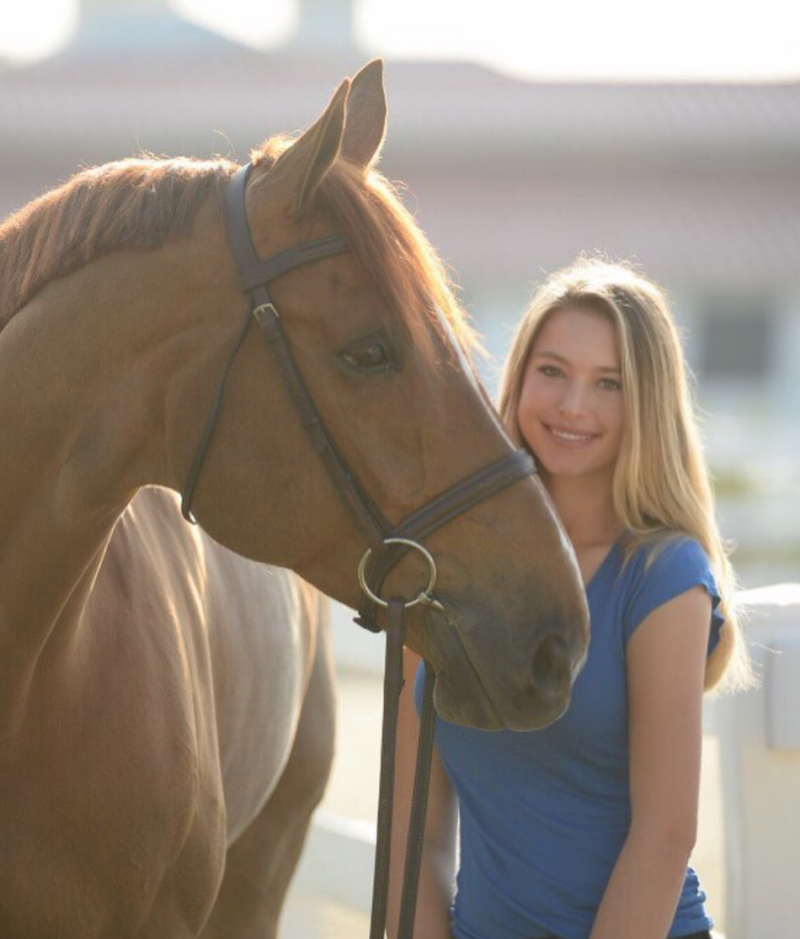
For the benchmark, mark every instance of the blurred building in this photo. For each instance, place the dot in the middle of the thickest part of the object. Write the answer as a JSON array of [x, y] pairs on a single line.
[[510, 179]]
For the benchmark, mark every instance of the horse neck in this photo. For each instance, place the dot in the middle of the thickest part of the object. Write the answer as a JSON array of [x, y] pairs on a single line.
[[82, 388]]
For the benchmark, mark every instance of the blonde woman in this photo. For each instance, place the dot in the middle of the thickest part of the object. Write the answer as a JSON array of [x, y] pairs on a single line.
[[584, 830]]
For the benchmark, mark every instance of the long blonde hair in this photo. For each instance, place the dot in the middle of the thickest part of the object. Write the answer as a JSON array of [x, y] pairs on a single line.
[[661, 483]]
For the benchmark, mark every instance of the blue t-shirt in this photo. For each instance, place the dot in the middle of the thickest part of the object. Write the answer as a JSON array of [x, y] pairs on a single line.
[[544, 814]]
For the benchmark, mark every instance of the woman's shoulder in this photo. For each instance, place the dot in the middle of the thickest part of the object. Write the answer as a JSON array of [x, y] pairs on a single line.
[[659, 569], [663, 553]]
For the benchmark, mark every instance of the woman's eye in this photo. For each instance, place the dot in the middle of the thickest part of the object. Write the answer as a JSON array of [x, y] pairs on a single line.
[[610, 384], [550, 371], [367, 358]]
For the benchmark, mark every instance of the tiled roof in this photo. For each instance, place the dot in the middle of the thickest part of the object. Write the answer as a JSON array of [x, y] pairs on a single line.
[[701, 182], [169, 80]]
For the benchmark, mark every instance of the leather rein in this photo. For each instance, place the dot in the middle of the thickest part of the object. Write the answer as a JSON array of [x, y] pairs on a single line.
[[387, 544]]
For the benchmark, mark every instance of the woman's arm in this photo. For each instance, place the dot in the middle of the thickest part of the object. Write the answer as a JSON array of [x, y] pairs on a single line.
[[438, 856], [666, 659]]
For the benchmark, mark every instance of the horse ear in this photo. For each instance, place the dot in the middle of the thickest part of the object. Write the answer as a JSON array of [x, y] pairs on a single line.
[[366, 116], [302, 167]]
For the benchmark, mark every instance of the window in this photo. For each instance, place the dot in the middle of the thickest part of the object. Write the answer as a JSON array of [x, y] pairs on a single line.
[[738, 339]]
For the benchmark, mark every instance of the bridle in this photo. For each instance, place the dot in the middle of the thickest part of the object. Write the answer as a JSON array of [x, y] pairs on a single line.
[[386, 543]]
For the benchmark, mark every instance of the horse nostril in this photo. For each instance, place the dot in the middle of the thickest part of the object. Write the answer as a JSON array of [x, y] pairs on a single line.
[[551, 668]]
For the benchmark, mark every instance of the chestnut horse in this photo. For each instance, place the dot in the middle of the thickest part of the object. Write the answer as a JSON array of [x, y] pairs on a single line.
[[165, 702]]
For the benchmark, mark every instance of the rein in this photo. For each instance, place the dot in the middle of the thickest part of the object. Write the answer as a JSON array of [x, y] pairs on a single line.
[[387, 544]]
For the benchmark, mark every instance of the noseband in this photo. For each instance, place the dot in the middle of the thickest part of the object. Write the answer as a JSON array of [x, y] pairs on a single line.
[[386, 543]]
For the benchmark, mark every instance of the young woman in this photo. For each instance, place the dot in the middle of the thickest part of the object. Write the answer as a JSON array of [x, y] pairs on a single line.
[[584, 830]]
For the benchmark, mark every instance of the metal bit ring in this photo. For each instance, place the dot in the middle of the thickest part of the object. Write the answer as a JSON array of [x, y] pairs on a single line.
[[424, 596]]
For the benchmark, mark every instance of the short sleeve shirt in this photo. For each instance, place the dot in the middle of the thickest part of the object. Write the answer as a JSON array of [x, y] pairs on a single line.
[[544, 814]]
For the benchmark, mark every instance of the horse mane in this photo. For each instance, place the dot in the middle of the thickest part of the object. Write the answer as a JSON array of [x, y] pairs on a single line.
[[133, 203], [143, 202]]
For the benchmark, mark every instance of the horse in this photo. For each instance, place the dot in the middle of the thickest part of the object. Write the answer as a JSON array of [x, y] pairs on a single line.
[[166, 701]]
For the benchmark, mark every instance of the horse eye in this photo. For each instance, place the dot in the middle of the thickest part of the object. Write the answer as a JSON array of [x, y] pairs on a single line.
[[367, 358]]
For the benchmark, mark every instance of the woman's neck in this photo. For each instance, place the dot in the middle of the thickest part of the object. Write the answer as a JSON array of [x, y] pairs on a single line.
[[585, 508]]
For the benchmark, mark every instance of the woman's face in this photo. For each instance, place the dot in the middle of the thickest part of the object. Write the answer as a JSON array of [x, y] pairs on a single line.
[[572, 409]]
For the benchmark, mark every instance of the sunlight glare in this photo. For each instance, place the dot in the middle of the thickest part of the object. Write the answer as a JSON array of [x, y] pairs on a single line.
[[35, 29], [260, 25], [617, 40], [584, 40]]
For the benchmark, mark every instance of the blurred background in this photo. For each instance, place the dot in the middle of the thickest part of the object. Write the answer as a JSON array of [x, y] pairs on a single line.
[[524, 133]]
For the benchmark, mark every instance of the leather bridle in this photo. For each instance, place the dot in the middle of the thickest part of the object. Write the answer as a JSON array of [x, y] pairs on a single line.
[[386, 543]]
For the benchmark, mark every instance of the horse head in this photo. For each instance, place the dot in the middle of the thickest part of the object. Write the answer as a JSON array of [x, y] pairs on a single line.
[[383, 349]]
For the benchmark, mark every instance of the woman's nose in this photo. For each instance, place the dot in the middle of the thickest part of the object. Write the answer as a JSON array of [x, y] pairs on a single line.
[[573, 400]]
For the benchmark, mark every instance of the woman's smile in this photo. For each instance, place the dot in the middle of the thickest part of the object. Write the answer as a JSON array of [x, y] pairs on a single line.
[[569, 437]]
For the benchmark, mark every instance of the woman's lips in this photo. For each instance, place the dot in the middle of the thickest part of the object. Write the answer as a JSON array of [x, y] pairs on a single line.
[[570, 438]]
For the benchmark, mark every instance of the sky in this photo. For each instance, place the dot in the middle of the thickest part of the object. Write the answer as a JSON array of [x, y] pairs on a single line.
[[706, 40]]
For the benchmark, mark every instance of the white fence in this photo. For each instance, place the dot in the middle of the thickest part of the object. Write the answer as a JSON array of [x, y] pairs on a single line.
[[759, 746]]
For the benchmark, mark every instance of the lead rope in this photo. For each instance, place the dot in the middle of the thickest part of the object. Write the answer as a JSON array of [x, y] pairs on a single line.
[[419, 806], [392, 688]]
